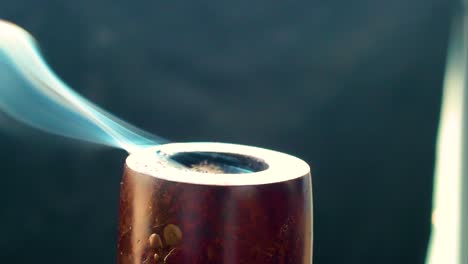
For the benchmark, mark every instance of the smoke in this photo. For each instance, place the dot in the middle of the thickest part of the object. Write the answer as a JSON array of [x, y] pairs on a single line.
[[32, 93]]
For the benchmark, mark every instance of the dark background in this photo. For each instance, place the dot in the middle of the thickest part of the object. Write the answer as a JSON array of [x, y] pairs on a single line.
[[352, 87]]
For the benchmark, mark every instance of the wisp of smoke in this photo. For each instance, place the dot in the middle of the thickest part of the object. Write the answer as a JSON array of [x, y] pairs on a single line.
[[33, 94]]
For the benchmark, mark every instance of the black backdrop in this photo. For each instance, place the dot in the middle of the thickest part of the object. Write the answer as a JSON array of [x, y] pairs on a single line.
[[352, 87]]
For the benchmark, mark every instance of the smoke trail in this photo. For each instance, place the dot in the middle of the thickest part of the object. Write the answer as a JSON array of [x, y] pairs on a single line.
[[32, 93]]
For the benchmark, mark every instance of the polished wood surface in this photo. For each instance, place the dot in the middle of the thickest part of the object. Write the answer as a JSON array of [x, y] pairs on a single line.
[[172, 222]]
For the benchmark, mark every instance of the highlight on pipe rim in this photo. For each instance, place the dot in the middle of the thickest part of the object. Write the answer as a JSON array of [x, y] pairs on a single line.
[[264, 166]]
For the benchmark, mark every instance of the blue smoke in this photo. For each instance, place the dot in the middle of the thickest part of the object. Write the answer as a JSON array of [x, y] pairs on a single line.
[[33, 94]]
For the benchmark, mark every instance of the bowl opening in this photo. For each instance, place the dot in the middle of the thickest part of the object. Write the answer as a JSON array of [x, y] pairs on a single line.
[[220, 163]]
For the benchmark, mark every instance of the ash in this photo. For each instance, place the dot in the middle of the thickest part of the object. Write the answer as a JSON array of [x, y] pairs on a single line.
[[207, 167]]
